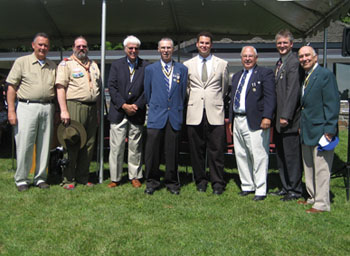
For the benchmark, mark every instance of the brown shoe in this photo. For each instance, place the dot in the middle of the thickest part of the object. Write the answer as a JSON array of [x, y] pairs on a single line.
[[302, 202], [135, 183], [113, 184], [313, 210]]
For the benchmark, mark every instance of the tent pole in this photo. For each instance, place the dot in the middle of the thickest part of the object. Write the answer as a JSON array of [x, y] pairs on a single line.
[[325, 48], [178, 51], [102, 91]]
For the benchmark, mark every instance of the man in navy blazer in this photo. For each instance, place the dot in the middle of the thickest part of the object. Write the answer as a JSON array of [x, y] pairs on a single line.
[[253, 102], [319, 118], [127, 113], [165, 90]]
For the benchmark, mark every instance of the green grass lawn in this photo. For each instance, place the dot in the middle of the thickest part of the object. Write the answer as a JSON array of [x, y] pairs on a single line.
[[125, 221]]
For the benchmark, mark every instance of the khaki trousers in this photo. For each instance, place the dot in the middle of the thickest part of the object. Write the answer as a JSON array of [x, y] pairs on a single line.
[[35, 126], [317, 166], [79, 159], [118, 133]]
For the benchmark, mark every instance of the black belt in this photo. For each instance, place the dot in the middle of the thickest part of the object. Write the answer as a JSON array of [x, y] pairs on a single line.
[[240, 114], [84, 102], [37, 101]]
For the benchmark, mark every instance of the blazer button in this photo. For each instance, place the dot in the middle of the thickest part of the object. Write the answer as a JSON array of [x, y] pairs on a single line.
[[129, 93], [168, 108]]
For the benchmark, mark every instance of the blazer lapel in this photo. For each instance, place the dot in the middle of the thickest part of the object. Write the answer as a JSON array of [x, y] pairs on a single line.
[[174, 78], [311, 83], [252, 80], [213, 70], [137, 70]]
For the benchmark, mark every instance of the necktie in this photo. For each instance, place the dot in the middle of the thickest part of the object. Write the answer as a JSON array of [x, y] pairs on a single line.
[[278, 66], [239, 90], [204, 71], [166, 77]]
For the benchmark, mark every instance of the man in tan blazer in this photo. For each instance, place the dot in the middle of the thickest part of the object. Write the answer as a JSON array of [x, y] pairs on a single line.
[[207, 87]]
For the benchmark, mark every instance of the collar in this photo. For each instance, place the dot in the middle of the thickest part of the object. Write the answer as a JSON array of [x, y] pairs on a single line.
[[132, 64], [210, 56], [311, 70], [284, 57], [169, 64]]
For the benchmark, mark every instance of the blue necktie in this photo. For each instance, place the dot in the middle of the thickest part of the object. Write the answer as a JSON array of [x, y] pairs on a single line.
[[166, 77], [239, 90]]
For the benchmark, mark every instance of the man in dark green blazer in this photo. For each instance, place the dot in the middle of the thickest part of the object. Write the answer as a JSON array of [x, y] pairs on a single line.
[[319, 117]]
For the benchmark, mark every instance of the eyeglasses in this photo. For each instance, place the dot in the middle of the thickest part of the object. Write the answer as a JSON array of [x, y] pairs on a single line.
[[133, 48]]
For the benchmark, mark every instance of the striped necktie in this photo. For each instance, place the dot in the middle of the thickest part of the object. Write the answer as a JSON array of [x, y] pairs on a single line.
[[166, 77], [239, 90]]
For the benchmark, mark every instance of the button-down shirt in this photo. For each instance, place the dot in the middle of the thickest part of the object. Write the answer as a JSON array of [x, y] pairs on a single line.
[[241, 108], [32, 80]]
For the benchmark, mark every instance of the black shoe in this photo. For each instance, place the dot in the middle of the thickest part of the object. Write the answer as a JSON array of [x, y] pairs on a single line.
[[174, 191], [202, 189], [43, 185], [259, 198], [279, 193], [149, 191], [290, 197], [218, 191], [245, 193], [22, 188]]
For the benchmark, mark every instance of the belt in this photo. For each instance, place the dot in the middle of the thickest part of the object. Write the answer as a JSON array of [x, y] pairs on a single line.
[[91, 103], [37, 101], [240, 114]]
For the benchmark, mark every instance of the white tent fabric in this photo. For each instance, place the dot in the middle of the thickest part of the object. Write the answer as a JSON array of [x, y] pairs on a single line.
[[63, 20]]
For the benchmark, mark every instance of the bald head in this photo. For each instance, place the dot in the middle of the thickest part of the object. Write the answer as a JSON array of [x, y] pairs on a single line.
[[307, 57]]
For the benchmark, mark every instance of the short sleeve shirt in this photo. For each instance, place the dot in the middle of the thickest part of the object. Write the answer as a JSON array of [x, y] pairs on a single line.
[[31, 80], [74, 77]]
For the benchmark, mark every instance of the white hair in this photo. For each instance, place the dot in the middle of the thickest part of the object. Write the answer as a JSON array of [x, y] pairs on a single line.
[[131, 40]]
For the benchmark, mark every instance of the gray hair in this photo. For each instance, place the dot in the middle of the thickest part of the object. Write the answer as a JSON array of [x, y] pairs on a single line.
[[244, 47], [284, 33], [166, 39], [131, 40]]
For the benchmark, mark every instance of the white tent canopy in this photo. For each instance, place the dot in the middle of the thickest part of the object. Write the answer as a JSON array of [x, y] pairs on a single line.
[[63, 20]]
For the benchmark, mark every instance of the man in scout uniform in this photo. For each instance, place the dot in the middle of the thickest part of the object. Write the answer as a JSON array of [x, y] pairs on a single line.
[[31, 80], [78, 82]]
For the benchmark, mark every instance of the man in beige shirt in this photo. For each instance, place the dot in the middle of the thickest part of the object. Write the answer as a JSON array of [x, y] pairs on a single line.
[[31, 80], [78, 82]]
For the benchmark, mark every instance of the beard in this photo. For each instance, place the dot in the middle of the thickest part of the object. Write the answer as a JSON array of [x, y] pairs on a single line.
[[81, 55]]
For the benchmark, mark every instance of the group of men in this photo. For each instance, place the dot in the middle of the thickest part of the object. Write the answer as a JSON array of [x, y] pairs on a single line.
[[34, 81], [299, 99]]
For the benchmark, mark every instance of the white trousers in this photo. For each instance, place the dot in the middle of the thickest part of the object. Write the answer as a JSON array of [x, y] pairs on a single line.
[[317, 166], [118, 133], [35, 126], [252, 157]]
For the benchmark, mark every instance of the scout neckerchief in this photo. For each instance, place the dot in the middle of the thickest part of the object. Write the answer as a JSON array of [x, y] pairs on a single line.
[[85, 66]]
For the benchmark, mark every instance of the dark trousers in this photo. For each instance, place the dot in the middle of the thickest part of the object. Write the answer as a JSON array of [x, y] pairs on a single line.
[[157, 139], [205, 138], [289, 161]]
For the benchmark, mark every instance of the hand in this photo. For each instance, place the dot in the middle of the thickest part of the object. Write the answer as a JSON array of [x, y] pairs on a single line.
[[265, 123], [230, 128], [283, 122], [130, 109], [12, 117], [329, 136], [65, 118]]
